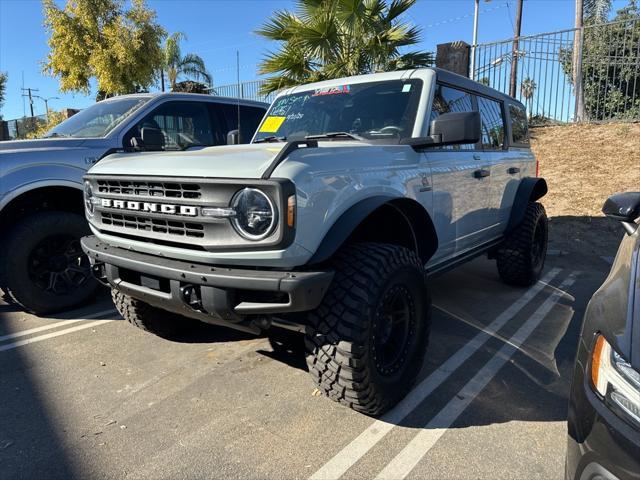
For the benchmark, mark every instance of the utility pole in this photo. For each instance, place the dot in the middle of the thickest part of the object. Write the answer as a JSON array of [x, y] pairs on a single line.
[[578, 39], [514, 55], [30, 90], [475, 39]]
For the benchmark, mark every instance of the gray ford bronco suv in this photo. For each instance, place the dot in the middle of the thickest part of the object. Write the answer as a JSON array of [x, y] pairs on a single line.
[[41, 215], [351, 194]]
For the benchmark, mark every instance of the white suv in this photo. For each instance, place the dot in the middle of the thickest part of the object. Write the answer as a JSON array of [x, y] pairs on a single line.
[[352, 192]]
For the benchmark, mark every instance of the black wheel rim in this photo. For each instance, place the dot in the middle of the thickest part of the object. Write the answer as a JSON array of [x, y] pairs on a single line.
[[393, 329], [58, 266], [539, 243]]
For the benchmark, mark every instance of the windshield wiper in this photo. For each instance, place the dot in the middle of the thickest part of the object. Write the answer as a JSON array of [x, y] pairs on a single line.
[[272, 138], [56, 134], [352, 136]]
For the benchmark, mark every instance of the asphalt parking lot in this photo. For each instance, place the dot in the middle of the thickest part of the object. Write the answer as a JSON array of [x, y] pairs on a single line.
[[86, 395]]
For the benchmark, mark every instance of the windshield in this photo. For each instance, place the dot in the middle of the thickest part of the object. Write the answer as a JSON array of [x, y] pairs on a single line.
[[97, 120], [370, 110]]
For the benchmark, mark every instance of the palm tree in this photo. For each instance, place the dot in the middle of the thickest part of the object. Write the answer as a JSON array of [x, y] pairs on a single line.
[[326, 39], [190, 66], [597, 11], [528, 88]]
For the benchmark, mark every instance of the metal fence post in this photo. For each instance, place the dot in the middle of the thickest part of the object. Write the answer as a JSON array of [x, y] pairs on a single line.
[[578, 51]]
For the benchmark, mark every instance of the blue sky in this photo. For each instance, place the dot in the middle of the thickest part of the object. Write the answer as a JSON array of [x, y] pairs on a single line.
[[215, 29]]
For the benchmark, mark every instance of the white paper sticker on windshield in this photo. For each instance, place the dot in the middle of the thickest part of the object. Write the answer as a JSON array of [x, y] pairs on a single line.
[[406, 88]]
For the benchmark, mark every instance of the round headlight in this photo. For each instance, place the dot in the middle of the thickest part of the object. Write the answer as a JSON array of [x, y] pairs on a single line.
[[255, 217], [88, 197]]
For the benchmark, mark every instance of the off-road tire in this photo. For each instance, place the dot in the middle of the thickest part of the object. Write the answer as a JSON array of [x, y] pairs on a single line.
[[17, 252], [521, 257], [341, 338], [140, 314]]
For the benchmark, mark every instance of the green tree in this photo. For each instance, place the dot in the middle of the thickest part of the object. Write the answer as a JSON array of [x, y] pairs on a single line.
[[100, 39], [176, 65], [3, 88], [610, 66], [528, 88], [326, 39], [53, 119]]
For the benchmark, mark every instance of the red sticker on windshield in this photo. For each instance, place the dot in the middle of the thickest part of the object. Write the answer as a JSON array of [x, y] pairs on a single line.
[[332, 90]]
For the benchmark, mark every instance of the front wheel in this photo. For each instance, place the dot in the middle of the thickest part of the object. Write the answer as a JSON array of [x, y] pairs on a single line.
[[367, 340], [167, 325], [43, 267], [521, 257]]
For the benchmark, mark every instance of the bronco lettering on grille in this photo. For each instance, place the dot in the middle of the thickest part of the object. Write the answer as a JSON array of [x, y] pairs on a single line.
[[150, 207]]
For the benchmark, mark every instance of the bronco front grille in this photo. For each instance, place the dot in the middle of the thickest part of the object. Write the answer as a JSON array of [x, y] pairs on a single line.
[[150, 189], [168, 227]]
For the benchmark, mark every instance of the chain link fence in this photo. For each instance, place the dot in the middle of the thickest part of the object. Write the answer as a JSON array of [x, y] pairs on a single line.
[[587, 74]]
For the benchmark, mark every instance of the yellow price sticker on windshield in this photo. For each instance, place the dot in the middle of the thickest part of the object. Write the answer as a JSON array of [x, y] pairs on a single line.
[[272, 124]]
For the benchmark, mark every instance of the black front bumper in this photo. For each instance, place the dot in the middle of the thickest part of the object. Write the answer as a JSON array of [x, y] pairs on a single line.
[[229, 296]]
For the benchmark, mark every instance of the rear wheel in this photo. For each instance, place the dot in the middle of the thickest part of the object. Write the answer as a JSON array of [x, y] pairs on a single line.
[[521, 257], [366, 342], [43, 267], [150, 319]]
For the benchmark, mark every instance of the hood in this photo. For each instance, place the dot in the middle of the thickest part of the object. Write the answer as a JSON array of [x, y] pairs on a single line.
[[229, 161], [40, 144]]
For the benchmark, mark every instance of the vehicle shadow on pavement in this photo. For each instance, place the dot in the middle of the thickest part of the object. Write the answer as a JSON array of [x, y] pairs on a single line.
[[32, 440]]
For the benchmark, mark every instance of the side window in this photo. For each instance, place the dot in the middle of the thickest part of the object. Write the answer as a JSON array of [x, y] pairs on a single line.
[[447, 100], [250, 118], [183, 124], [519, 125], [492, 124]]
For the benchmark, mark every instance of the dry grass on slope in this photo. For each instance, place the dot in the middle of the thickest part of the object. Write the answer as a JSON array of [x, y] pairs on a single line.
[[584, 164]]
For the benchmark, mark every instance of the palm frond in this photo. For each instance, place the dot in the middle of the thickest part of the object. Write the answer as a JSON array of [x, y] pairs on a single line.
[[597, 10]]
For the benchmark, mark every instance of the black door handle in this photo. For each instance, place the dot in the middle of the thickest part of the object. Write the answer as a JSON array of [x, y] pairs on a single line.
[[481, 173], [513, 170]]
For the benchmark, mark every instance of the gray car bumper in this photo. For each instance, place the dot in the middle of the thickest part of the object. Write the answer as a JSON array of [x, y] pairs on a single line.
[[214, 294]]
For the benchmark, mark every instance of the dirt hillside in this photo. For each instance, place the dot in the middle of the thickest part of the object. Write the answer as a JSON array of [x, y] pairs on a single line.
[[583, 165]]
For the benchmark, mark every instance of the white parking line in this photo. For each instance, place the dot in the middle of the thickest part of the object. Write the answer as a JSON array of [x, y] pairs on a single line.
[[409, 457], [20, 343], [49, 326], [355, 450]]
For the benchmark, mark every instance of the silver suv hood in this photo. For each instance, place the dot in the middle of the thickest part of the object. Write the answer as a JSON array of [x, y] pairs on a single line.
[[229, 161], [40, 144]]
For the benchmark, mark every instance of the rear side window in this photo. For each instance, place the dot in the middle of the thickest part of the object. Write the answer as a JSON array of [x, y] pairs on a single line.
[[447, 100], [492, 124], [519, 125]]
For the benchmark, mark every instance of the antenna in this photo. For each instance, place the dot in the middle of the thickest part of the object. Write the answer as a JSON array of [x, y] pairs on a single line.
[[238, 79]]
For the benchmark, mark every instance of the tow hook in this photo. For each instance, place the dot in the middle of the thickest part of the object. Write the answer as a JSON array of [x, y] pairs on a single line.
[[99, 272]]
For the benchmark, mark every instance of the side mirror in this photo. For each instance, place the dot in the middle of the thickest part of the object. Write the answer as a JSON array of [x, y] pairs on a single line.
[[152, 139], [624, 207], [457, 128], [450, 129], [233, 137]]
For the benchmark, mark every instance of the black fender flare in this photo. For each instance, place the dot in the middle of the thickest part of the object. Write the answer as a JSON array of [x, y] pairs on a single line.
[[416, 216], [529, 190]]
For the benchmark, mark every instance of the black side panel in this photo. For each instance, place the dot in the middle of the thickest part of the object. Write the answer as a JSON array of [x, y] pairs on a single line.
[[345, 225], [529, 190]]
